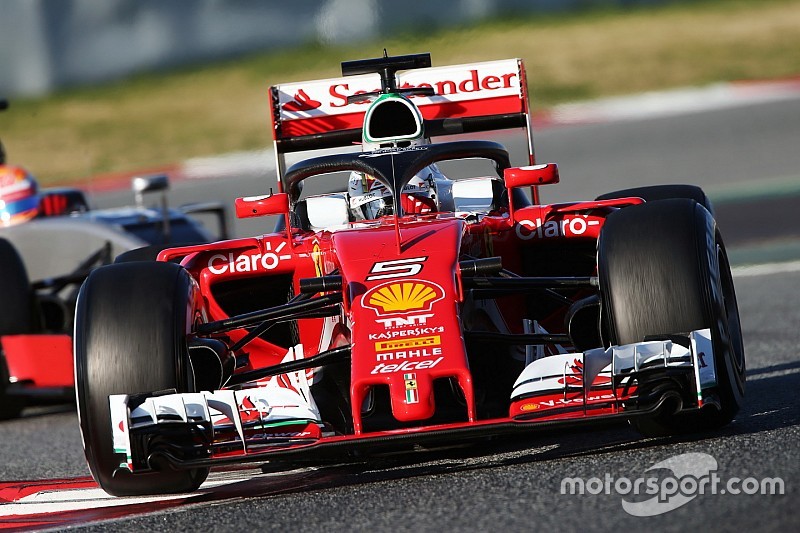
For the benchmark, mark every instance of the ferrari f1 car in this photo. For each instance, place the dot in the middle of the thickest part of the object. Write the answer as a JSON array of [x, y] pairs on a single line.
[[408, 310], [43, 262]]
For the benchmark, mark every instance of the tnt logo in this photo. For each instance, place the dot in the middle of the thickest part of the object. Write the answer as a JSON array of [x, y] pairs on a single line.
[[396, 322]]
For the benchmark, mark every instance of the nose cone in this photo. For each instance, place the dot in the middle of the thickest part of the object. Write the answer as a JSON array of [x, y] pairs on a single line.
[[404, 315]]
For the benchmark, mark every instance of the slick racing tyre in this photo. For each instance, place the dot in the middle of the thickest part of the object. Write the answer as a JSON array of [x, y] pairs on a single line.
[[663, 270], [16, 317], [147, 253], [131, 324], [663, 192]]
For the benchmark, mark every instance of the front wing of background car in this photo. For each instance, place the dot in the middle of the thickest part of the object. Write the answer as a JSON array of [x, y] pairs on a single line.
[[191, 430]]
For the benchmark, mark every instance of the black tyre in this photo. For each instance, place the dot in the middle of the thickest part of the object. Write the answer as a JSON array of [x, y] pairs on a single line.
[[663, 192], [130, 337], [663, 270], [147, 253], [16, 317]]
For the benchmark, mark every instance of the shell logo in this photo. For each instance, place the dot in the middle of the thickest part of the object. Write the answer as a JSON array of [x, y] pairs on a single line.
[[403, 296]]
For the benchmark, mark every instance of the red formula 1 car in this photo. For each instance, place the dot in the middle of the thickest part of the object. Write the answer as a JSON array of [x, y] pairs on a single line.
[[397, 307]]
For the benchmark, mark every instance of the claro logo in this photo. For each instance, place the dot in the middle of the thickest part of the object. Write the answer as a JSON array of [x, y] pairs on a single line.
[[230, 262], [567, 227]]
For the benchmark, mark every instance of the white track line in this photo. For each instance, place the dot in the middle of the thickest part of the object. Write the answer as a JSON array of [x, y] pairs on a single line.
[[745, 271], [675, 102]]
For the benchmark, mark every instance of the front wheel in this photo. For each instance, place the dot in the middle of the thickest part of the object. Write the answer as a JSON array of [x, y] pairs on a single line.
[[653, 193], [663, 270], [131, 324]]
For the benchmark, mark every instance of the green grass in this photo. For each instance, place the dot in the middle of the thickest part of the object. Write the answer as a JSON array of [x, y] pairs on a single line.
[[160, 118]]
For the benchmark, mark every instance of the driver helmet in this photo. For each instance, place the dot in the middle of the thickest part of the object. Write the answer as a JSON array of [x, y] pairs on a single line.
[[394, 122], [19, 196], [370, 199]]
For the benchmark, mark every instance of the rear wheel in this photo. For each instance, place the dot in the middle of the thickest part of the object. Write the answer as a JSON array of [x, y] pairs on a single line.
[[132, 320], [663, 270], [16, 317]]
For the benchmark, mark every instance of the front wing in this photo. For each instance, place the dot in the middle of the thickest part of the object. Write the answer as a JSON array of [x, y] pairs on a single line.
[[191, 430]]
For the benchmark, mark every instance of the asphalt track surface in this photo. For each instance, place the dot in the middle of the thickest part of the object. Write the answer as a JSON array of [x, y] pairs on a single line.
[[513, 485]]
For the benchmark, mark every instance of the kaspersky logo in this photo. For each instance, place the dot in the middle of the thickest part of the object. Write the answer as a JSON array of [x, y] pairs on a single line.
[[407, 296]]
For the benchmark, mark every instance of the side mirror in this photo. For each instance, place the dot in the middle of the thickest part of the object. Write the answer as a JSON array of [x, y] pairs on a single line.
[[215, 209], [530, 176], [260, 206], [154, 183]]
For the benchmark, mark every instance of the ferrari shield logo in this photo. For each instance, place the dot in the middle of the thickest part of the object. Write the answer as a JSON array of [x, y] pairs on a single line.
[[412, 394]]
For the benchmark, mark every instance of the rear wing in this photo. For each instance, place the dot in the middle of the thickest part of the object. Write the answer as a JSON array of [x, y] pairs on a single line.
[[469, 98]]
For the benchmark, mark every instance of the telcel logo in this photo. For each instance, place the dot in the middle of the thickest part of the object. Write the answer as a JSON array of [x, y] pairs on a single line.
[[390, 368]]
